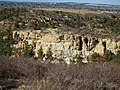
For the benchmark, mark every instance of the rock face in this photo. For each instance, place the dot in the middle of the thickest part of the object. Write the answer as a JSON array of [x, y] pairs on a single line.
[[66, 46]]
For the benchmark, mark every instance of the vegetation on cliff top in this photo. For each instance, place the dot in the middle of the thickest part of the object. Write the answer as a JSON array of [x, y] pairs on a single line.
[[36, 19]]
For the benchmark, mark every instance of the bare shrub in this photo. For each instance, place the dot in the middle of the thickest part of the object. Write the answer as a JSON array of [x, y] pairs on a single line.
[[20, 69], [82, 77], [47, 76]]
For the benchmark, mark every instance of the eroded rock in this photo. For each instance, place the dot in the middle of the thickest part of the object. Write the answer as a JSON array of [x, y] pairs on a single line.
[[65, 46]]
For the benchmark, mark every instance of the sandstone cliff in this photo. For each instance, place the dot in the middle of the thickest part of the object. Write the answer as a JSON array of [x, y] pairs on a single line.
[[67, 45]]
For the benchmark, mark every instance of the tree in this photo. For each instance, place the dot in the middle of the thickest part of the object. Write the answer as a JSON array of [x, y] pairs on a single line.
[[6, 41], [117, 58], [49, 55], [108, 56], [27, 50]]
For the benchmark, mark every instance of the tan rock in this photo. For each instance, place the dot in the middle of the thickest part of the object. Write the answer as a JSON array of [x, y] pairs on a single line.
[[65, 45]]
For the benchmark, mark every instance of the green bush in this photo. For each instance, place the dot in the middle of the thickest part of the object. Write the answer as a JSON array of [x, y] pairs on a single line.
[[49, 55], [6, 40], [77, 60], [108, 56], [27, 50], [117, 58]]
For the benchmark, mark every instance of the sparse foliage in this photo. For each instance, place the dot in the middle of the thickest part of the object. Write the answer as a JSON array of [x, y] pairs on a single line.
[[117, 58], [108, 56], [34, 75]]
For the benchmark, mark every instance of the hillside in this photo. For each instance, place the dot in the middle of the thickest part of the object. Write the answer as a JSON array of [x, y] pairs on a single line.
[[76, 33], [59, 46]]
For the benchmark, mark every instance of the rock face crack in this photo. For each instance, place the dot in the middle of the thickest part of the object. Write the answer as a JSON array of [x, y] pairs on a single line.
[[80, 43]]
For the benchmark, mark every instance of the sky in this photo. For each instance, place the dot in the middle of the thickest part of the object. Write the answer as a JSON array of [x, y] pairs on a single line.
[[112, 2]]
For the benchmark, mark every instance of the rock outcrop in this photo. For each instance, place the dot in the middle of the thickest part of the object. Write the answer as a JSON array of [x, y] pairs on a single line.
[[67, 45]]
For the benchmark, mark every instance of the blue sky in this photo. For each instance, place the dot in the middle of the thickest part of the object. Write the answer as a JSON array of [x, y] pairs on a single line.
[[113, 2]]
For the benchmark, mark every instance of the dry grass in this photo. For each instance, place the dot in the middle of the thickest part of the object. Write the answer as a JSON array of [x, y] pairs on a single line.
[[69, 10], [34, 75]]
